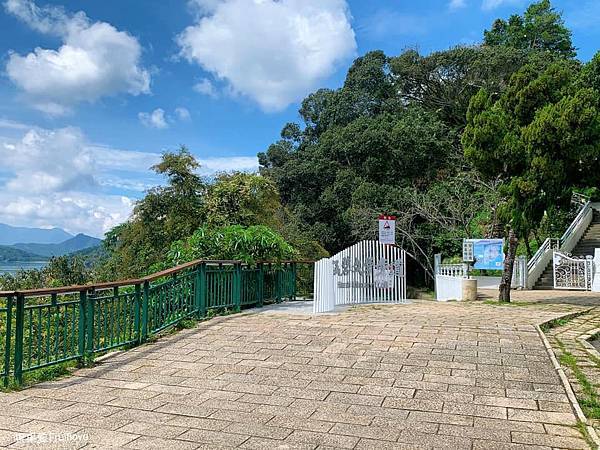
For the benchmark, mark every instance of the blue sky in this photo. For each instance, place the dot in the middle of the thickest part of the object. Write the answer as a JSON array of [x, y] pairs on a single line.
[[92, 92]]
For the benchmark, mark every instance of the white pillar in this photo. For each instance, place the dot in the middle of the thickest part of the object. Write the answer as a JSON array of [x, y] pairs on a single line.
[[596, 281]]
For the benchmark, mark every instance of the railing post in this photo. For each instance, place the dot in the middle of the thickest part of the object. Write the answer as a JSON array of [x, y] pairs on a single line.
[[138, 307], [294, 281], [237, 286], [82, 326], [279, 284], [260, 285], [203, 294], [19, 324], [197, 291], [145, 311], [90, 307], [200, 291], [7, 349]]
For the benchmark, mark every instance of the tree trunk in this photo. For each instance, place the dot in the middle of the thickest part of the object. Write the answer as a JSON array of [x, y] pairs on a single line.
[[509, 264]]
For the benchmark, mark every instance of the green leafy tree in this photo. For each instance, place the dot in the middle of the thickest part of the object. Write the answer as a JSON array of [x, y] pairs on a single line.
[[234, 242], [540, 139], [166, 214], [443, 82], [242, 199], [540, 28]]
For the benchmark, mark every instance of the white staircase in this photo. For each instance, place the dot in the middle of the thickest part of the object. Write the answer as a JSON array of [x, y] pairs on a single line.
[[580, 239]]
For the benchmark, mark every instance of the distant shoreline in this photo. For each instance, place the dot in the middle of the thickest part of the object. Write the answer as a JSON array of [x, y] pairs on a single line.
[[12, 267]]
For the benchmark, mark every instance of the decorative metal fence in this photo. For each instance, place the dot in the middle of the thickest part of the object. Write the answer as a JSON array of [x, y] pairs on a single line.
[[44, 327], [572, 272]]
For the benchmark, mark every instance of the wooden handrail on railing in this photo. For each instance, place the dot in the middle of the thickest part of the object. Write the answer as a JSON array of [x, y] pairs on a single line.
[[78, 322], [133, 281]]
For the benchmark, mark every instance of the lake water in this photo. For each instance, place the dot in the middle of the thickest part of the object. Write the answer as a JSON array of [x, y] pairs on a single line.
[[12, 267]]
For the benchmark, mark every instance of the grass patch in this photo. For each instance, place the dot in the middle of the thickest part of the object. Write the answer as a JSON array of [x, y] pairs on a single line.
[[40, 375], [582, 427], [507, 304], [588, 398], [560, 321]]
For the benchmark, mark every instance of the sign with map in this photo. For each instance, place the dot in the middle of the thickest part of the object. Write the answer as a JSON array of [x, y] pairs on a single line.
[[488, 254]]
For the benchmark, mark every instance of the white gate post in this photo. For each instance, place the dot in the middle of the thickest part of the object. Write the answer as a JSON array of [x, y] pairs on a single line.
[[437, 262], [524, 272], [519, 279], [596, 271]]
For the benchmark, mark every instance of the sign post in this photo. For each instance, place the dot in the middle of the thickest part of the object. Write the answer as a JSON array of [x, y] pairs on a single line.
[[387, 230]]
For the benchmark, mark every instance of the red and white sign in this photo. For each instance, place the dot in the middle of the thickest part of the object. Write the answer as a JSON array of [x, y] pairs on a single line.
[[387, 229]]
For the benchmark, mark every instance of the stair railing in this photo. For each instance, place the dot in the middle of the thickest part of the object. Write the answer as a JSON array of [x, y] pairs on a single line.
[[567, 242], [577, 229]]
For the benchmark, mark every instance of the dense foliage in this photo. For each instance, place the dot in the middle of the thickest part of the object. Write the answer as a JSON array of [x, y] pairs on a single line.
[[391, 141], [234, 242], [487, 140]]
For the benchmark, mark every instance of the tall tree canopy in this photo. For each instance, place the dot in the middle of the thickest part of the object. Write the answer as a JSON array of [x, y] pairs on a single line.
[[383, 140], [541, 139], [540, 28]]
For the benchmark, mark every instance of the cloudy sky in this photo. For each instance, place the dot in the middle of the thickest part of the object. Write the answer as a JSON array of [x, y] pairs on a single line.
[[90, 97]]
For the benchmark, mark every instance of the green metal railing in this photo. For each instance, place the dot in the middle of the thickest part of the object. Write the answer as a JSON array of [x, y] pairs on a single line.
[[44, 327]]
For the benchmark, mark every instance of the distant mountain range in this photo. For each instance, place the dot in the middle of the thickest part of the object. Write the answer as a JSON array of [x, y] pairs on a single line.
[[79, 242], [41, 244], [11, 254], [13, 235]]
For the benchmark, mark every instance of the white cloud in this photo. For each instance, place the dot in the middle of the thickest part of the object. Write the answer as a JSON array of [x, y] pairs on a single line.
[[274, 52], [77, 212], [53, 181], [206, 87], [49, 161], [183, 114], [493, 4], [210, 166], [155, 119], [57, 178], [11, 124], [94, 60], [126, 160], [457, 4], [204, 6]]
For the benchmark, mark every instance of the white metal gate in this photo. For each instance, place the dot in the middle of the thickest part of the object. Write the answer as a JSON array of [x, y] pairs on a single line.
[[367, 272], [572, 273]]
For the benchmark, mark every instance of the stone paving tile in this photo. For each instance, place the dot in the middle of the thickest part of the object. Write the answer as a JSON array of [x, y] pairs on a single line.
[[425, 375], [549, 440], [153, 430], [256, 443], [146, 442], [320, 439]]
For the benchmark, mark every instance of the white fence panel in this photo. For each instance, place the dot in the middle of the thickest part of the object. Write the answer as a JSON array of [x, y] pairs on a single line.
[[448, 288], [324, 293], [453, 270], [367, 272]]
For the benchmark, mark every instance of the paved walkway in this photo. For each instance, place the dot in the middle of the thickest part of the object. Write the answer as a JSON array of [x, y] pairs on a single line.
[[581, 298], [419, 376]]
